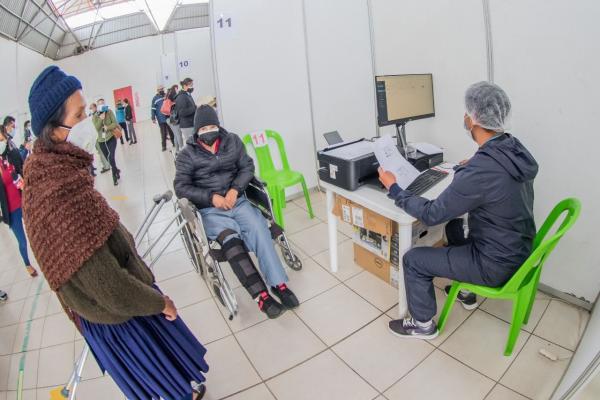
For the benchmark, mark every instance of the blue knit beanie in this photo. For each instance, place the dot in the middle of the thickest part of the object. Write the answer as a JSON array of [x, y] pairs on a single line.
[[49, 91]]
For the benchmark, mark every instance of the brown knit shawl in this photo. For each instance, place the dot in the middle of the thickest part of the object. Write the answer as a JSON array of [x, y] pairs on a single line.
[[66, 219]]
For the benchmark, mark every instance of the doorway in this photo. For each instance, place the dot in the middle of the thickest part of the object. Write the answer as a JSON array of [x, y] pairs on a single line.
[[125, 93]]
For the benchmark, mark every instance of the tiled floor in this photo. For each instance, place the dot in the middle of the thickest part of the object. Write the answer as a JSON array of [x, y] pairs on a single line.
[[336, 345]]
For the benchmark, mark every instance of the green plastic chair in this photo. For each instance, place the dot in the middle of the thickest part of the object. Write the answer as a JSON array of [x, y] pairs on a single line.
[[522, 287], [276, 180]]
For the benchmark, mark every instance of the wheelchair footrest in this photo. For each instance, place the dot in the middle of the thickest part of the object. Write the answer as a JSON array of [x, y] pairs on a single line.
[[276, 230]]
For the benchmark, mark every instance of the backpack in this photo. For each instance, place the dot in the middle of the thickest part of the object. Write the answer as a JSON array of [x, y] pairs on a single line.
[[166, 107]]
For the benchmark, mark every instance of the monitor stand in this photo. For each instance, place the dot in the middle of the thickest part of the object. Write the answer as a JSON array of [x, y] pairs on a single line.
[[401, 138]]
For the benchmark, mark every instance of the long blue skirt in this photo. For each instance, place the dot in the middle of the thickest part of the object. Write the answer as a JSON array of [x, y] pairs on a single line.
[[148, 357]]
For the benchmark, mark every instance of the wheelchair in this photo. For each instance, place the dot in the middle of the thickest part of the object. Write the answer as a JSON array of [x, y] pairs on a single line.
[[206, 256]]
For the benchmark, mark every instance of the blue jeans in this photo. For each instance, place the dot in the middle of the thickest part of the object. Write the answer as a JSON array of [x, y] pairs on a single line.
[[251, 226], [16, 225]]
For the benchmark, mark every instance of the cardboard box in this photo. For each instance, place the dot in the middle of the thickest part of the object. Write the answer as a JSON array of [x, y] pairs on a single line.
[[371, 231], [370, 262]]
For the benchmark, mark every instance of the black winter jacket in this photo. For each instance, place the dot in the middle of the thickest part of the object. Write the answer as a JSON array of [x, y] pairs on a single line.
[[185, 108], [200, 174], [12, 155], [496, 188]]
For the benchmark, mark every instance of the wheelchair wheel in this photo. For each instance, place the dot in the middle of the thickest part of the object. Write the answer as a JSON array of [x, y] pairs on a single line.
[[192, 249], [292, 260]]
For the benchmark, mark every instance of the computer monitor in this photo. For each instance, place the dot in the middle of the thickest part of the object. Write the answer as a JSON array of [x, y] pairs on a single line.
[[403, 98]]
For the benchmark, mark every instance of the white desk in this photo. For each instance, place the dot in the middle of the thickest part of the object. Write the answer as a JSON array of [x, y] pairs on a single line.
[[378, 202]]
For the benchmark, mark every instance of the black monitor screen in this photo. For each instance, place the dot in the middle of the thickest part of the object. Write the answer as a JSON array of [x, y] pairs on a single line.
[[402, 98]]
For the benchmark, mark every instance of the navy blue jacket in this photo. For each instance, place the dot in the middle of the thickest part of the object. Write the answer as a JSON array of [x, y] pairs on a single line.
[[157, 102], [496, 188]]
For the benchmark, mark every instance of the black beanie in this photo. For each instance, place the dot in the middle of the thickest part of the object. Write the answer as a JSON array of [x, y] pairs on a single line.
[[205, 115]]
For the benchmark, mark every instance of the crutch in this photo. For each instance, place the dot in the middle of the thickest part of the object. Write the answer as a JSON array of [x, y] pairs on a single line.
[[68, 391]]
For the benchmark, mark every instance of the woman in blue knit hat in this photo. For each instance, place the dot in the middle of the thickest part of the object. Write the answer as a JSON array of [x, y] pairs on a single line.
[[89, 258]]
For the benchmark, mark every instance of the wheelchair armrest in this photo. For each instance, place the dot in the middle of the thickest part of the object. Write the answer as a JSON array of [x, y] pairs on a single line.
[[258, 182]]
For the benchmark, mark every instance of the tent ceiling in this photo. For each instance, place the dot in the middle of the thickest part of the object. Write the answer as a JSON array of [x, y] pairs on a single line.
[[62, 28]]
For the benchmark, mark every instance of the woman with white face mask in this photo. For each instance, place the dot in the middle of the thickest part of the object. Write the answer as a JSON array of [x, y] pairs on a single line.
[[11, 184], [89, 259]]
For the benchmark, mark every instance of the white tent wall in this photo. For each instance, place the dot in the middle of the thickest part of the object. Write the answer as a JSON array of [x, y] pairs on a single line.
[[18, 69], [341, 69], [138, 63], [547, 57], [442, 37], [262, 74]]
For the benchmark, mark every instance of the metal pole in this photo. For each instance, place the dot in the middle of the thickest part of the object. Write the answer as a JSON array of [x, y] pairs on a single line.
[[488, 40]]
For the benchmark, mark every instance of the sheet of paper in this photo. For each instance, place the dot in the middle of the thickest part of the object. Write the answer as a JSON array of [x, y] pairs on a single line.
[[391, 160], [353, 150], [426, 148]]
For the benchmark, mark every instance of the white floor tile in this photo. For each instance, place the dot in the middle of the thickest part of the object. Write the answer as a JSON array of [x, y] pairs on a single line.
[[456, 318], [94, 389], [502, 393], [54, 306], [230, 371], [310, 281], [314, 240], [171, 265], [5, 363], [7, 339], [322, 377], [563, 324], [30, 372], [503, 310], [380, 357], [591, 391], [442, 377], [347, 268], [336, 314], [56, 364], [248, 312], [259, 392], [41, 306], [276, 345], [298, 220], [185, 289], [10, 312], [534, 375], [205, 321], [19, 290], [34, 340], [480, 343], [58, 329], [30, 394], [377, 292]]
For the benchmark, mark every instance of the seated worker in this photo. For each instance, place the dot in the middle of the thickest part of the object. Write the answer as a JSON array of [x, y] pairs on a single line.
[[496, 188], [212, 172]]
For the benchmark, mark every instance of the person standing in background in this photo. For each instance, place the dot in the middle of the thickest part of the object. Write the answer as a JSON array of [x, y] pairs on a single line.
[[103, 160], [161, 118], [10, 126], [129, 121], [120, 114], [25, 148], [11, 184], [185, 107], [105, 122], [90, 261], [173, 120]]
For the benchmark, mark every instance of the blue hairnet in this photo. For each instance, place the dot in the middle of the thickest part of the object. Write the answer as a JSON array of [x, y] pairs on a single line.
[[488, 106]]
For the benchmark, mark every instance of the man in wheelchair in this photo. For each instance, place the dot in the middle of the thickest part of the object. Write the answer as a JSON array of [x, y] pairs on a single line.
[[212, 172]]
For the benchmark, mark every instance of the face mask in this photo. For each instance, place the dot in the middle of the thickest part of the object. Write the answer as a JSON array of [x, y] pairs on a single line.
[[83, 135], [190, 90], [2, 147], [468, 131], [209, 137]]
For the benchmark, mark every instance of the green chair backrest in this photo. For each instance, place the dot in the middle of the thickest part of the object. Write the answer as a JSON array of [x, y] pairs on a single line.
[[542, 246], [263, 151]]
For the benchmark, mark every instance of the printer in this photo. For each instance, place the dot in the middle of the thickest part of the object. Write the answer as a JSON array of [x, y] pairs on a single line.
[[350, 165]]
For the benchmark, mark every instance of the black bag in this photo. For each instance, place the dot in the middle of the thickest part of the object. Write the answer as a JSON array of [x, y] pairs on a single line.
[[174, 117]]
